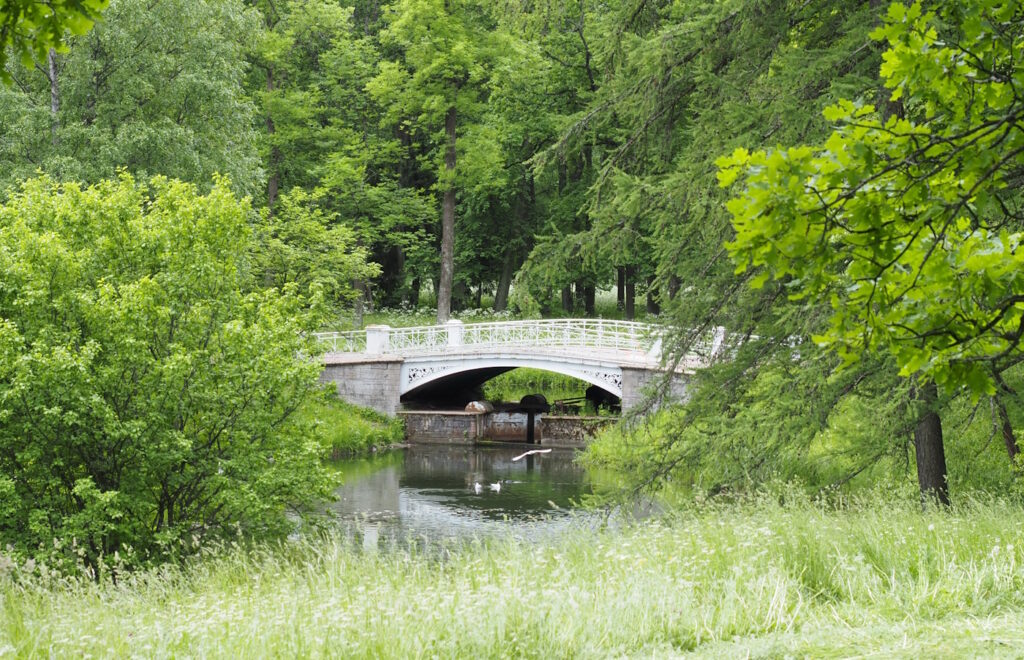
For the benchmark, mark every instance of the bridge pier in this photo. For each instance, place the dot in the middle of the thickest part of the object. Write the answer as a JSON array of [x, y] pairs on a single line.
[[369, 381], [637, 380]]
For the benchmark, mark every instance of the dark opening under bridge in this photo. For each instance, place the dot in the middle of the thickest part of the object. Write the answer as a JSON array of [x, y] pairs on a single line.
[[380, 366]]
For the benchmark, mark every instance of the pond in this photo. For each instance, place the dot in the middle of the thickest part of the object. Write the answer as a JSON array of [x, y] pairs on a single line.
[[431, 493]]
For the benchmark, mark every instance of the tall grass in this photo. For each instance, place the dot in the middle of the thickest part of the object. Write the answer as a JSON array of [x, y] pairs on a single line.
[[754, 578], [345, 429]]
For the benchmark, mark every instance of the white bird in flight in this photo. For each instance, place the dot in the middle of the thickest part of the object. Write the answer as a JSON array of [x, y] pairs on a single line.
[[532, 451]]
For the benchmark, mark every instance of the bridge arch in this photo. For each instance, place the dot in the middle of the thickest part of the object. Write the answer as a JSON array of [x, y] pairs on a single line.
[[421, 375]]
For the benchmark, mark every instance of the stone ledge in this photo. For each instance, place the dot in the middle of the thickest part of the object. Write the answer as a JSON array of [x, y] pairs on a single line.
[[331, 359]]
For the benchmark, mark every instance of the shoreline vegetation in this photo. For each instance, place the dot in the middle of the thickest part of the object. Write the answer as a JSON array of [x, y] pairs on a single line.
[[750, 578], [346, 430]]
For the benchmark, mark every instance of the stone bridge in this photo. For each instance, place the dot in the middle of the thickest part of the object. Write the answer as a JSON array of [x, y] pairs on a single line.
[[381, 366]]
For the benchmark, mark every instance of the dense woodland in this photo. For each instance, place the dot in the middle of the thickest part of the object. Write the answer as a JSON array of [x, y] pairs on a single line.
[[339, 156]]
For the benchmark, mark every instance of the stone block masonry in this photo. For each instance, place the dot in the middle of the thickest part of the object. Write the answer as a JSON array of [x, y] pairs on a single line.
[[638, 383], [371, 382]]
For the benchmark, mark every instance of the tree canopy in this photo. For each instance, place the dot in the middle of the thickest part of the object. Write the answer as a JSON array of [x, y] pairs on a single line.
[[907, 218]]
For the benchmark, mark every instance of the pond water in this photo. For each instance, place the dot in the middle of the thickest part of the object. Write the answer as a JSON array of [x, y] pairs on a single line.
[[430, 493]]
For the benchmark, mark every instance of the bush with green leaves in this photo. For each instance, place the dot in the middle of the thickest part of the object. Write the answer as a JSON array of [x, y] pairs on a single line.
[[147, 391]]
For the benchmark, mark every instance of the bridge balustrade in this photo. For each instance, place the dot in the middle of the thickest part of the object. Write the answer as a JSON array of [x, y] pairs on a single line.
[[602, 334], [640, 341]]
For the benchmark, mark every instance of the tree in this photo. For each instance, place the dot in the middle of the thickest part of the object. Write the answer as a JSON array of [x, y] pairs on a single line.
[[156, 88], [447, 48], [32, 29], [323, 135], [146, 399], [303, 246], [908, 225]]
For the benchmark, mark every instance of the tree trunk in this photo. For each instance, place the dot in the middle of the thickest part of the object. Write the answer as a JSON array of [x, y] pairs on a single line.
[[620, 287], [929, 449], [567, 299], [357, 311], [414, 292], [51, 61], [1012, 449], [589, 299], [505, 281], [273, 179], [652, 297], [444, 287], [580, 300], [630, 293], [673, 287]]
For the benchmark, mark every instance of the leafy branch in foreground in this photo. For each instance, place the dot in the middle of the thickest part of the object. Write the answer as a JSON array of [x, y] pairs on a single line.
[[30, 28], [910, 224]]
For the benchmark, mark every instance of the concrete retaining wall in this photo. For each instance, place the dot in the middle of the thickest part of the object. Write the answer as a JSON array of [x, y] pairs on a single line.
[[572, 430], [444, 427]]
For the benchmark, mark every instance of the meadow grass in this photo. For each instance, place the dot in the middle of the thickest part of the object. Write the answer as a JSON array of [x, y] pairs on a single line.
[[346, 429], [754, 578]]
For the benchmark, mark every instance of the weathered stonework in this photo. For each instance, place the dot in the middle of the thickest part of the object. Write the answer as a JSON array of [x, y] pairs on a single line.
[[370, 382], [637, 382], [443, 427], [572, 430]]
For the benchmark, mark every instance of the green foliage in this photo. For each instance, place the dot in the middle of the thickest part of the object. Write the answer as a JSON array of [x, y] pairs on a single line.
[[907, 219], [515, 384], [346, 430], [757, 418], [30, 28], [310, 70], [156, 88], [146, 400], [300, 244], [756, 578]]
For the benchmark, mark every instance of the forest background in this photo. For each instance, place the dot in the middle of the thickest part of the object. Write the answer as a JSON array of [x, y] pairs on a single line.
[[190, 188], [526, 155]]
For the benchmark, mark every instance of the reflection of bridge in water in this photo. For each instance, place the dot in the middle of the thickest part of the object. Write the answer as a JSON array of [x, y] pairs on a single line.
[[380, 366]]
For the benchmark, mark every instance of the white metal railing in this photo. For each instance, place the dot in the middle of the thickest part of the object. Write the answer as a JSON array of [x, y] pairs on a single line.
[[562, 333], [342, 342], [640, 340]]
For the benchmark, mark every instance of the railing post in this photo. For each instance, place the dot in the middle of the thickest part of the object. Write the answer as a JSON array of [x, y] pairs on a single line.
[[718, 338], [377, 339], [455, 330], [655, 351]]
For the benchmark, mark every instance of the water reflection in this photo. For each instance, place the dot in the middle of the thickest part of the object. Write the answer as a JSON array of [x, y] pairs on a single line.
[[445, 492]]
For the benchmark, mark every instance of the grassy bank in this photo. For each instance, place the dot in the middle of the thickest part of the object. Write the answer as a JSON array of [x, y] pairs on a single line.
[[347, 430], [748, 579]]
